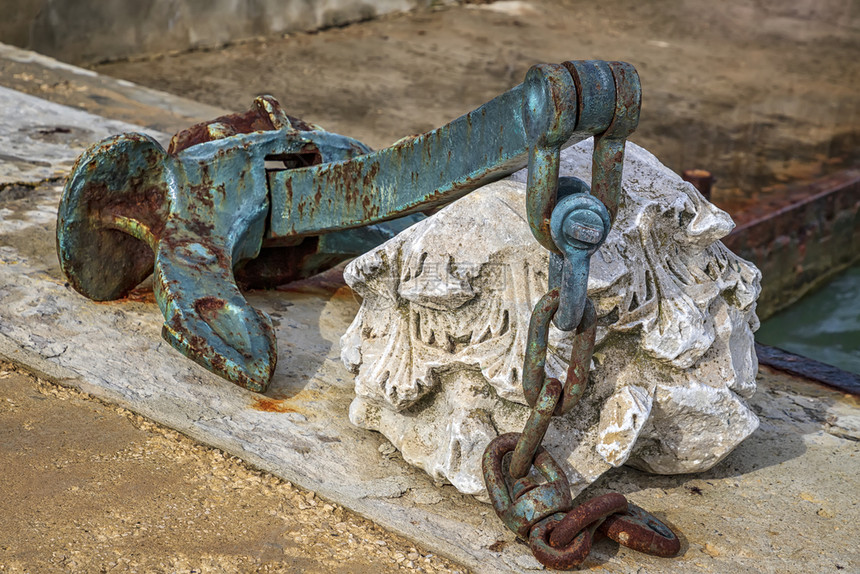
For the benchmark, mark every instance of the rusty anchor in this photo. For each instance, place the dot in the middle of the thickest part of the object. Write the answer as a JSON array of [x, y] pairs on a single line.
[[261, 198]]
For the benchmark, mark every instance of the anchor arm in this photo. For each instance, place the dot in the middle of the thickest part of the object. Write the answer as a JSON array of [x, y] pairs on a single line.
[[216, 222]]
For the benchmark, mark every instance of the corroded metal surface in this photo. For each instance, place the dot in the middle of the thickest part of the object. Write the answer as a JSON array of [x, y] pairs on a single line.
[[45, 318], [585, 515], [533, 502], [537, 342], [579, 226], [535, 428], [263, 198], [190, 215], [807, 368], [641, 531], [559, 535]]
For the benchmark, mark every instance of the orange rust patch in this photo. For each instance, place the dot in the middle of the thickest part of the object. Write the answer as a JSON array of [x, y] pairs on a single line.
[[209, 304], [268, 405], [286, 404], [136, 295]]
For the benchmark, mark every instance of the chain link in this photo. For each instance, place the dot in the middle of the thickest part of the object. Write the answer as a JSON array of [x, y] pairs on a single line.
[[538, 506]]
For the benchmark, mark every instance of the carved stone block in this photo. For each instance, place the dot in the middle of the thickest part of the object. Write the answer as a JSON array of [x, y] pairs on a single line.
[[437, 346]]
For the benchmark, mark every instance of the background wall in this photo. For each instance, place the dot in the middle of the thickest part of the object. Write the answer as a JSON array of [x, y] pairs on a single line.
[[89, 31], [16, 16]]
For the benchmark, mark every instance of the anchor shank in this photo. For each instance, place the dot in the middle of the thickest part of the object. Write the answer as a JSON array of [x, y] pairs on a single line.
[[414, 175]]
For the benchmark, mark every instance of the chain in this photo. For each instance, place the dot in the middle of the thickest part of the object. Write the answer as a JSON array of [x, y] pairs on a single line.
[[528, 488]]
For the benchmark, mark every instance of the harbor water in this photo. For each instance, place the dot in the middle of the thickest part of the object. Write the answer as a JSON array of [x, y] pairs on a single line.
[[824, 325]]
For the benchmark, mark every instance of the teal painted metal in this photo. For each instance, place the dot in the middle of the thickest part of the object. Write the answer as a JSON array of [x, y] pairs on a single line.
[[521, 508], [579, 226], [214, 208], [190, 216]]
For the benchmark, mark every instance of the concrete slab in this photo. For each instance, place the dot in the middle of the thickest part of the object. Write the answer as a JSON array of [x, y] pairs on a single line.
[[785, 501], [40, 140]]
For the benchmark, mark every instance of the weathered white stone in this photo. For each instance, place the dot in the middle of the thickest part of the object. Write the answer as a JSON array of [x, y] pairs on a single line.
[[438, 344], [37, 144]]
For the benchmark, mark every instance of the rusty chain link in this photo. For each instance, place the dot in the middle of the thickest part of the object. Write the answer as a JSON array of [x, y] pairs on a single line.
[[538, 506], [640, 530], [559, 534]]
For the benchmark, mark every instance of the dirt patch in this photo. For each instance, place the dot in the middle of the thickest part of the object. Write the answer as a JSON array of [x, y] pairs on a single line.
[[96, 488]]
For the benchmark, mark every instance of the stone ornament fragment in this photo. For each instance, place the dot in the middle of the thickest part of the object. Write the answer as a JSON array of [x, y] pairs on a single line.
[[438, 343]]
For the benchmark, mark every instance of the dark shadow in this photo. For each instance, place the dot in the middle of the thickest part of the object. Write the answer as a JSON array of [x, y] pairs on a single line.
[[297, 312]]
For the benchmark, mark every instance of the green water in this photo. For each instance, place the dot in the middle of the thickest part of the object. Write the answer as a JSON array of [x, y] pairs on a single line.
[[824, 325]]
